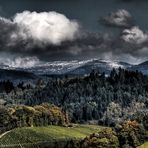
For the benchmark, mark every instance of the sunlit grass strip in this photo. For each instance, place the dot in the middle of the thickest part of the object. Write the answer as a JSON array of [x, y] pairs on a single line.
[[37, 135]]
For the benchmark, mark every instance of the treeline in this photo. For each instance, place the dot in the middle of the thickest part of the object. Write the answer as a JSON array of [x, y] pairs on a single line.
[[27, 116], [141, 117], [6, 86], [129, 134], [107, 99]]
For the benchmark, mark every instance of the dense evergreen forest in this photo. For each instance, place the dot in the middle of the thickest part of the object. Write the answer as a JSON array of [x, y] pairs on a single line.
[[96, 97], [119, 100]]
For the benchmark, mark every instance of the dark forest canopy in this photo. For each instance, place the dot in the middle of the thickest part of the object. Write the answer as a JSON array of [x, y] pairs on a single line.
[[95, 97], [119, 100]]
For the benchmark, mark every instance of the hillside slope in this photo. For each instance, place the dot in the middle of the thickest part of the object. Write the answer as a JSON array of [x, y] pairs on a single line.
[[36, 136]]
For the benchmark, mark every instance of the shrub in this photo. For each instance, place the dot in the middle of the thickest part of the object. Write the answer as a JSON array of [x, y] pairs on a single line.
[[131, 134], [106, 138]]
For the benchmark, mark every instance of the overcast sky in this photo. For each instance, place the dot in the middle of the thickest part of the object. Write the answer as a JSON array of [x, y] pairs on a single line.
[[85, 11], [114, 29]]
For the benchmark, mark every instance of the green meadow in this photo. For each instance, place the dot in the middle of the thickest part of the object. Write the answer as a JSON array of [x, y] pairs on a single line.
[[39, 136]]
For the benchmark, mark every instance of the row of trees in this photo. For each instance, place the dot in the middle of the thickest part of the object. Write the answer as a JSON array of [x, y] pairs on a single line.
[[129, 134], [27, 116]]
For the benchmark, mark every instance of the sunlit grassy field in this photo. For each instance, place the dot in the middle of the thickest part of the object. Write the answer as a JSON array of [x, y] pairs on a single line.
[[33, 136], [145, 145]]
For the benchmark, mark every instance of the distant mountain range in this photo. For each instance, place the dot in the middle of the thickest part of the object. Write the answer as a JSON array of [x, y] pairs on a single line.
[[143, 67], [107, 66], [144, 63], [16, 75], [67, 67]]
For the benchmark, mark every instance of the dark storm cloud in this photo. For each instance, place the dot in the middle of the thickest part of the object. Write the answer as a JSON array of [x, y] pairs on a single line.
[[31, 36], [52, 35], [8, 28], [120, 18], [47, 32], [30, 29]]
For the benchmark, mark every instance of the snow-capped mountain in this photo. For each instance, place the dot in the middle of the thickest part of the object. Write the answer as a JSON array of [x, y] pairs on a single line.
[[62, 67], [75, 67]]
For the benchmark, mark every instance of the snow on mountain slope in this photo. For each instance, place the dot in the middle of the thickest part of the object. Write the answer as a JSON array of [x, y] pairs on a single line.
[[61, 67], [75, 67]]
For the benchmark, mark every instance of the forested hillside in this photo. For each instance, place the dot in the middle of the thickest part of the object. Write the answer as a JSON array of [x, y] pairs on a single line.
[[108, 99], [119, 100]]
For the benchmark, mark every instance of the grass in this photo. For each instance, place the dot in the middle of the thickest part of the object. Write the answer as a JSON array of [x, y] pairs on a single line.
[[34, 135], [145, 145]]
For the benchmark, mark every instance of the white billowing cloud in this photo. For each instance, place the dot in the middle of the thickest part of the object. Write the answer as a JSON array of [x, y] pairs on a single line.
[[5, 21], [32, 28], [134, 35], [45, 27], [120, 18], [24, 62], [19, 62]]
